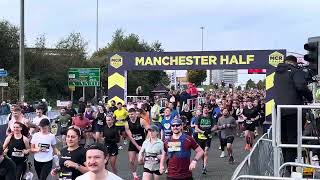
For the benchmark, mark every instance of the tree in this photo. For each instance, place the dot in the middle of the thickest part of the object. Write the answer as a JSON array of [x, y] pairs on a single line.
[[132, 43], [9, 47], [40, 42], [197, 76], [239, 88], [74, 42], [261, 84], [250, 84]]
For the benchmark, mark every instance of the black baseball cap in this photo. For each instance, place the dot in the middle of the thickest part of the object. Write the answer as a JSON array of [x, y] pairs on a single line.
[[44, 122]]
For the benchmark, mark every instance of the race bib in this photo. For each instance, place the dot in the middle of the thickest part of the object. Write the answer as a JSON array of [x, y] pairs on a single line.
[[174, 146], [120, 123], [17, 153], [152, 160], [44, 147], [65, 176], [137, 137], [202, 136], [100, 122], [249, 122]]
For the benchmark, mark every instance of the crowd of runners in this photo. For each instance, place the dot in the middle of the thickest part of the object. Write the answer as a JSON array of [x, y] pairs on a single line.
[[159, 138]]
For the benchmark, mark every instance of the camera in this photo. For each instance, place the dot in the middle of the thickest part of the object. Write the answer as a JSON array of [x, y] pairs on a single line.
[[309, 76]]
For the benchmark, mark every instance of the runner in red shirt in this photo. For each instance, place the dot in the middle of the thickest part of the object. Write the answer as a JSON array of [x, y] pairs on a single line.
[[178, 150]]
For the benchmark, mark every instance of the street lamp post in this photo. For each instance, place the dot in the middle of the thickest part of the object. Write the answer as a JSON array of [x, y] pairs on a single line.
[[97, 45], [21, 53], [210, 71]]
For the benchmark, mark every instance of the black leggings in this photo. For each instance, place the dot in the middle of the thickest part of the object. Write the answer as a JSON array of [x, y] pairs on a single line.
[[21, 168], [43, 169]]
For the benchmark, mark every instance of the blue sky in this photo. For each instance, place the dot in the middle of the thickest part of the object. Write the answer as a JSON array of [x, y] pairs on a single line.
[[229, 25]]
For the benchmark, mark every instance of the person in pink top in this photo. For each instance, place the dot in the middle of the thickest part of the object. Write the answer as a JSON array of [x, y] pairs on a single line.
[[84, 124], [17, 116]]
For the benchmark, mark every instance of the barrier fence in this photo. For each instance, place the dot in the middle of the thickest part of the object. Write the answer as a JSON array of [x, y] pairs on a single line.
[[259, 162]]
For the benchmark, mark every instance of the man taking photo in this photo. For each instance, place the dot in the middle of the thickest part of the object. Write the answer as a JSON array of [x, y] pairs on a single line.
[[291, 88]]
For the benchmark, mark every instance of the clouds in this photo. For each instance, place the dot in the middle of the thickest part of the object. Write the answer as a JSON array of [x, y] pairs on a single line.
[[229, 25]]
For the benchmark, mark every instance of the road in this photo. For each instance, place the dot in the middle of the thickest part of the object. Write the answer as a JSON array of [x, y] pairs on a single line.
[[218, 168]]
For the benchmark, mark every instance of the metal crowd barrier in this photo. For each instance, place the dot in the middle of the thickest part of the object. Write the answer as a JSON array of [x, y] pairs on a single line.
[[163, 102], [277, 144], [136, 98], [195, 102], [265, 161], [259, 162]]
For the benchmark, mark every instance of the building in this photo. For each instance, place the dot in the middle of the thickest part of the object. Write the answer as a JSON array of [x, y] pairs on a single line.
[[230, 76], [227, 75]]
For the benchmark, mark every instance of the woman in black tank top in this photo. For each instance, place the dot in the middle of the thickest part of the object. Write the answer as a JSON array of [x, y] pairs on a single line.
[[135, 130], [17, 148], [99, 123], [111, 138]]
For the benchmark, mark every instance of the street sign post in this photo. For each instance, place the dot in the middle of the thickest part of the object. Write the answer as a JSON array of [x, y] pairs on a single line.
[[3, 73], [81, 77], [3, 84]]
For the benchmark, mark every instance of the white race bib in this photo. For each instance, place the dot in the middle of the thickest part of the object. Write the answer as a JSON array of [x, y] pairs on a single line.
[[137, 137], [174, 146]]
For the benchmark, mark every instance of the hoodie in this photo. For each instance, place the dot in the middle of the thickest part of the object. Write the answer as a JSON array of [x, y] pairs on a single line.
[[290, 86]]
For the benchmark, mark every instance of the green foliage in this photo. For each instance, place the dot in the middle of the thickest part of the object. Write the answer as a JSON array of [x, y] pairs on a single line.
[[75, 43], [46, 69], [9, 46], [250, 84], [261, 84], [132, 43], [34, 90], [239, 88], [12, 89], [197, 76]]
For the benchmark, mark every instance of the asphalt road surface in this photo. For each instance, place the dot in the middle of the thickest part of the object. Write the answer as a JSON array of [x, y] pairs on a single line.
[[218, 168]]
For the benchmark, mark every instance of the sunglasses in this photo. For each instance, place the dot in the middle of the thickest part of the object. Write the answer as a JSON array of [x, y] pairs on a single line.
[[176, 125]]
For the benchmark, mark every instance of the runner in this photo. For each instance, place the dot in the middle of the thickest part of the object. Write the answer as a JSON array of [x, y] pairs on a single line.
[[70, 110], [227, 125], [7, 167], [166, 131], [240, 119], [135, 130], [72, 157], [17, 116], [39, 116], [250, 115], [85, 125], [178, 149], [152, 154], [96, 158], [99, 122], [204, 127], [155, 113], [111, 138], [65, 121], [120, 116], [193, 123], [43, 146], [17, 148]]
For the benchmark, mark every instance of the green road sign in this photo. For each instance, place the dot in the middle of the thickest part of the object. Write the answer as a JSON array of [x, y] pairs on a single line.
[[84, 77]]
